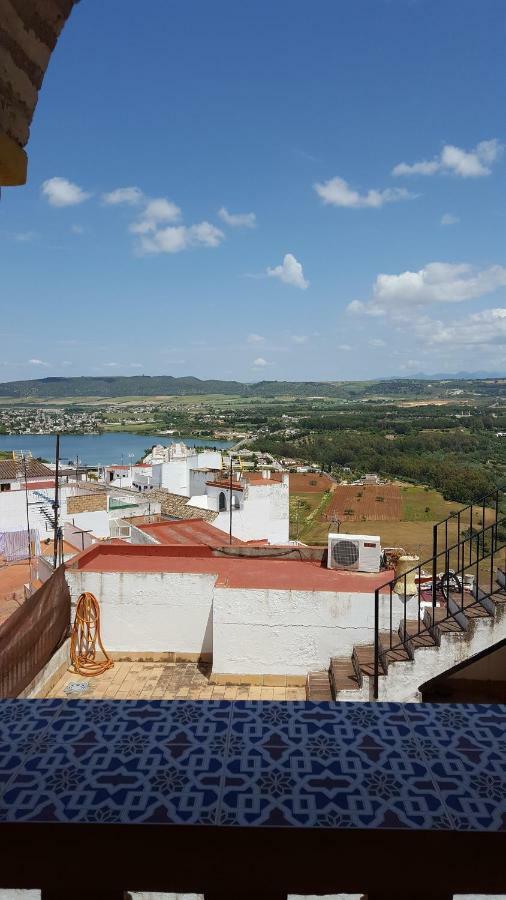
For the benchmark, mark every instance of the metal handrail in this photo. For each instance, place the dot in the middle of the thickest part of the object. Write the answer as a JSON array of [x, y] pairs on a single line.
[[471, 537], [479, 539], [477, 503]]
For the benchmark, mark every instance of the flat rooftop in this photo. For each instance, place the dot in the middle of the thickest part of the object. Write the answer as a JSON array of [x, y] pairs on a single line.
[[255, 572], [187, 532], [13, 577]]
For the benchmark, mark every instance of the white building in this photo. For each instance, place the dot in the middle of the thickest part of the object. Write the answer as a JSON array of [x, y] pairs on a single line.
[[260, 506], [178, 472], [136, 476]]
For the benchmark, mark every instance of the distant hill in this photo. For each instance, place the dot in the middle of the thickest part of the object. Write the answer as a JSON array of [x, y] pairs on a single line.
[[159, 385], [168, 385]]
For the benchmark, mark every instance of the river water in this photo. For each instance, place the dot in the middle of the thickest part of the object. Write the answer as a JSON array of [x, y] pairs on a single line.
[[113, 447]]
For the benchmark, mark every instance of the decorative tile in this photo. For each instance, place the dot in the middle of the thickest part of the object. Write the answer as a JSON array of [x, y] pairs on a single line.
[[295, 764]]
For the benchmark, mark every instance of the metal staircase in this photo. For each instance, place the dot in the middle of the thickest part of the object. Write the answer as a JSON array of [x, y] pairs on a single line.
[[463, 582]]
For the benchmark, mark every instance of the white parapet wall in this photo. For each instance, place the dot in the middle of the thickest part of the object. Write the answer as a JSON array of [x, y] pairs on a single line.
[[154, 612], [284, 632]]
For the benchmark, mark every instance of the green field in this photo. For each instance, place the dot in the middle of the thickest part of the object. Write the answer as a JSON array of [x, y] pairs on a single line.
[[421, 509]]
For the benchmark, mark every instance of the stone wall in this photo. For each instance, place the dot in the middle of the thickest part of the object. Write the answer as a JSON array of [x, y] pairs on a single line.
[[86, 503]]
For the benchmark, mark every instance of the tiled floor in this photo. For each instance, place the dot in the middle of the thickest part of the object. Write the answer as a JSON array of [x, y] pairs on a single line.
[[165, 681]]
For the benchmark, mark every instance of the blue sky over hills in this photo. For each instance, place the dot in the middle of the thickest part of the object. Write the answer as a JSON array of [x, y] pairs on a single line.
[[285, 190]]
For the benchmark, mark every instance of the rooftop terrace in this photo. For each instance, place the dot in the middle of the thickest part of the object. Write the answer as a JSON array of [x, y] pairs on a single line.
[[133, 680], [244, 572]]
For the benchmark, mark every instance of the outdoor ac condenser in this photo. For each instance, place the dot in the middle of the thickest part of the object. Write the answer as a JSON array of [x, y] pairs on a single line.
[[355, 552]]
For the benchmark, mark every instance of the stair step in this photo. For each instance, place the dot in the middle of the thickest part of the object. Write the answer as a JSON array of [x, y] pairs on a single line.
[[364, 658], [499, 596], [477, 611], [418, 634], [469, 601], [342, 675], [318, 686], [443, 622], [397, 654]]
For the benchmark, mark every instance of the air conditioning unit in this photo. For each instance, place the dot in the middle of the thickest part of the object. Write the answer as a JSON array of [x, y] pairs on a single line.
[[354, 552]]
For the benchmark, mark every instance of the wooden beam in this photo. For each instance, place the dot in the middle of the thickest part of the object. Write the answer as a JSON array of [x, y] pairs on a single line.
[[13, 162]]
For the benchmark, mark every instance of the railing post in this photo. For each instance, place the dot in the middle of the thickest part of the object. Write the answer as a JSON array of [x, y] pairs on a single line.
[[376, 644], [493, 538], [471, 534], [434, 572]]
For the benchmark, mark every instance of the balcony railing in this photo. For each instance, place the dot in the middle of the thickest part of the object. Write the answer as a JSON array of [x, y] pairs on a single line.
[[441, 587]]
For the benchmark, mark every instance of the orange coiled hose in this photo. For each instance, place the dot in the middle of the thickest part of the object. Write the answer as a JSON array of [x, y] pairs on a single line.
[[85, 637]]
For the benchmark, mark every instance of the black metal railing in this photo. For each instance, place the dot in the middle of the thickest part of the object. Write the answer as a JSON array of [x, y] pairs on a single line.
[[455, 570]]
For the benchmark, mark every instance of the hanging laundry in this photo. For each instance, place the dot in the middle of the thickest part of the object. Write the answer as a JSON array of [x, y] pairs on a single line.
[[19, 544]]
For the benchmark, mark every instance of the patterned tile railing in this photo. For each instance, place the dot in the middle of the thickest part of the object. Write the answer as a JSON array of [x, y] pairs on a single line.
[[348, 765]]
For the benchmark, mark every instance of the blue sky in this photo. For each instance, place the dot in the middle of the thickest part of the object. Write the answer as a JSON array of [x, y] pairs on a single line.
[[285, 190]]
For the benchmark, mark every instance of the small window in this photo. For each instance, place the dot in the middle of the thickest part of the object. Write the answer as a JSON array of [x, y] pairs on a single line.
[[222, 502]]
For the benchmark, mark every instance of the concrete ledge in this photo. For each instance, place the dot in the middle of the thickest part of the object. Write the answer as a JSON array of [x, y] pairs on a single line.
[[169, 656], [261, 680]]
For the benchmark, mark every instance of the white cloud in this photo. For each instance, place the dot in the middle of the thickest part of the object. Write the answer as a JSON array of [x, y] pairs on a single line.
[[77, 229], [205, 234], [132, 196], [290, 272], [237, 220], [25, 237], [156, 212], [299, 338], [337, 192], [110, 365], [453, 160], [436, 283], [449, 219], [37, 362], [260, 362], [376, 342], [359, 308], [61, 192], [485, 328], [344, 347], [174, 239], [255, 338]]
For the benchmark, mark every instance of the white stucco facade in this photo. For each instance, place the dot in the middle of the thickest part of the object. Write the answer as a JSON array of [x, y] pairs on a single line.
[[248, 631], [154, 612], [285, 632], [174, 473], [13, 508], [261, 512]]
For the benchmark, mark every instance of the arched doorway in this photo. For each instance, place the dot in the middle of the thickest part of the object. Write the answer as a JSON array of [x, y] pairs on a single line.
[[222, 502]]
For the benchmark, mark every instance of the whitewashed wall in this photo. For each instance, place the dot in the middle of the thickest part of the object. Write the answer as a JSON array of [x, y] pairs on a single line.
[[290, 632], [264, 514], [13, 508], [276, 632], [75, 536], [154, 612], [97, 522]]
